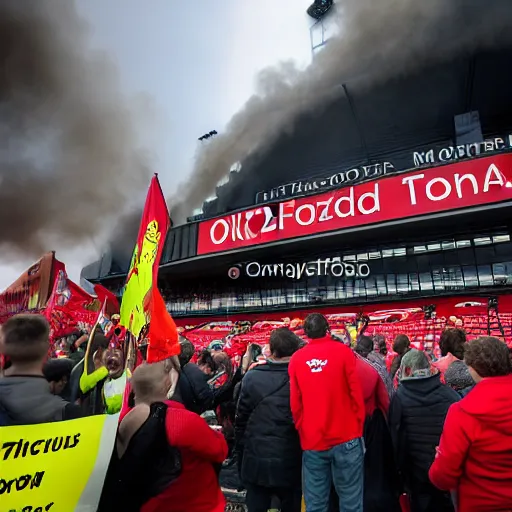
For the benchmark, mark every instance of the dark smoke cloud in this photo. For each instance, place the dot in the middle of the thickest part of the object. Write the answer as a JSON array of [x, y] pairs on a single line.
[[378, 40], [69, 155]]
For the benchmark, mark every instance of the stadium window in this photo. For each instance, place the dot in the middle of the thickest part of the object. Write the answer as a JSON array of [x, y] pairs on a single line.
[[434, 247], [418, 249], [400, 251], [387, 253], [448, 245], [499, 239], [375, 255], [485, 275], [486, 240], [470, 276], [426, 281], [461, 244]]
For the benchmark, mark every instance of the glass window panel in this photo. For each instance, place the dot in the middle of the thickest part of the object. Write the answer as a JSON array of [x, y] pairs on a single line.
[[362, 257], [387, 253], [463, 243], [434, 247], [371, 286], [414, 283], [485, 275], [400, 251], [426, 281], [438, 279], [418, 249], [391, 283], [499, 271], [448, 245], [375, 255], [486, 240], [470, 276], [500, 239], [381, 285]]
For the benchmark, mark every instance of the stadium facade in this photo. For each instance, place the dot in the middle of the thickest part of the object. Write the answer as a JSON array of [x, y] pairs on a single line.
[[397, 193]]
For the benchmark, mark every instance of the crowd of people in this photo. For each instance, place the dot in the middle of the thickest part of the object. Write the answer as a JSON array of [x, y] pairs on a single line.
[[312, 422]]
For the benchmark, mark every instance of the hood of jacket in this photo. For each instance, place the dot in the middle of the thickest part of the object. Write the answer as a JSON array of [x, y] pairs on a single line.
[[28, 400], [489, 402], [427, 390]]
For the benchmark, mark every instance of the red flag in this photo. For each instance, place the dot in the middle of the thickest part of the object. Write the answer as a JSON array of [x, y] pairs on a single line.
[[107, 296], [163, 333], [142, 304]]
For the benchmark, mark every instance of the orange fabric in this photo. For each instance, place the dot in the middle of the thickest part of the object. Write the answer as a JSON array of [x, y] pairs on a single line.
[[163, 333]]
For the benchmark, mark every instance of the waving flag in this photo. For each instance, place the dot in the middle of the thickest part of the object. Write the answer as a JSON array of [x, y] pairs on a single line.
[[139, 307]]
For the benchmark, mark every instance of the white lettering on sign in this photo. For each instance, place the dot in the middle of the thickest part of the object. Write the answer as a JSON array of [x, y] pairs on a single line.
[[355, 175], [334, 267], [453, 153], [444, 188], [481, 181]]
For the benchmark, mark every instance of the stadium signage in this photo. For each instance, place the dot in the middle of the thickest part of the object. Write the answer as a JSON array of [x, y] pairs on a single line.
[[355, 175], [454, 153], [447, 188], [322, 267], [364, 173]]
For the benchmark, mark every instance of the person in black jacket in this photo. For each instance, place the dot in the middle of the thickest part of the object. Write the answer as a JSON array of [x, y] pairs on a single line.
[[196, 395], [266, 442], [416, 420]]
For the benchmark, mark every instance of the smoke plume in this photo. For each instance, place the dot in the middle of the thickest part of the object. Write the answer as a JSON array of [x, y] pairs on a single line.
[[69, 155], [378, 40]]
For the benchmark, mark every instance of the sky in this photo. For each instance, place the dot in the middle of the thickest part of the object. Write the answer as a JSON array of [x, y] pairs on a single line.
[[192, 65]]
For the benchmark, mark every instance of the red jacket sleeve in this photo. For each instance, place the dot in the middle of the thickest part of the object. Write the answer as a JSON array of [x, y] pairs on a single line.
[[354, 388], [189, 431], [295, 395], [448, 465]]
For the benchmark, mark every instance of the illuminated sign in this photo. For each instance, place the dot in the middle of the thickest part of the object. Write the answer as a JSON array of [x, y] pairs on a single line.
[[334, 267], [447, 188]]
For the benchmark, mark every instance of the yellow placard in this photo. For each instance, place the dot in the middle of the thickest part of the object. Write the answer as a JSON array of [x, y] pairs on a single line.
[[56, 467]]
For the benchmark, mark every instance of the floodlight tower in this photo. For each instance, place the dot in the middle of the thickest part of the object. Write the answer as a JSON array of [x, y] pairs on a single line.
[[318, 10]]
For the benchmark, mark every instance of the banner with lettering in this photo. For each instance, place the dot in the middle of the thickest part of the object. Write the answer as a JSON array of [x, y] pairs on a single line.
[[447, 188], [56, 467]]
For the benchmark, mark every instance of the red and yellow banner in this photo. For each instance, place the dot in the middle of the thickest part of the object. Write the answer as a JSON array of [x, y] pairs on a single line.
[[142, 304]]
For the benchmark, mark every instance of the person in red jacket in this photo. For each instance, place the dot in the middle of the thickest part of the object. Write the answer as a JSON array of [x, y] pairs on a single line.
[[473, 458], [201, 448], [328, 410]]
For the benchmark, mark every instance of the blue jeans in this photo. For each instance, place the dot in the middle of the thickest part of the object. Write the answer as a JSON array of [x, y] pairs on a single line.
[[343, 465]]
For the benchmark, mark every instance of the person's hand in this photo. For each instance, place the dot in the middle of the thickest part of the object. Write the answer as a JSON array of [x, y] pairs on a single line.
[[438, 452]]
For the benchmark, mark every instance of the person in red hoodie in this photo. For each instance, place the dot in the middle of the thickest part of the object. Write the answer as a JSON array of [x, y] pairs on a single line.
[[193, 484], [473, 458], [329, 412]]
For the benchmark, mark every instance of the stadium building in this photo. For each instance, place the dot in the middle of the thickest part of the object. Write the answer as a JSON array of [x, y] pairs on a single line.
[[397, 194]]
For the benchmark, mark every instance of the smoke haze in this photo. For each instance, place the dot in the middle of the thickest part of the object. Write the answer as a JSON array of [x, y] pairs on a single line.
[[69, 155], [377, 41]]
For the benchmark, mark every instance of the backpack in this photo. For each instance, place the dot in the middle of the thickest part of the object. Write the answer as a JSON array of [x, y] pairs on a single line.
[[145, 470]]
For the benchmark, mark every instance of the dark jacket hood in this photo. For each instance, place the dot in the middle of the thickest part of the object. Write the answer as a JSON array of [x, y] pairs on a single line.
[[423, 389], [490, 402], [28, 400]]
